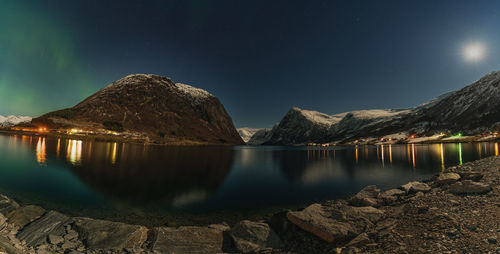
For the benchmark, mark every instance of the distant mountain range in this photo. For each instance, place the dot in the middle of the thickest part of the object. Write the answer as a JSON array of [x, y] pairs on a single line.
[[8, 121], [472, 110], [150, 106]]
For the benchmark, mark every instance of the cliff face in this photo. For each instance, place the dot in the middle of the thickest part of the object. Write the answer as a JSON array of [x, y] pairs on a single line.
[[154, 106]]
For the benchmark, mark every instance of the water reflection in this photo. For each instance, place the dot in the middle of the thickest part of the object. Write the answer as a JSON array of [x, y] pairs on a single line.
[[41, 156], [74, 151], [141, 178]]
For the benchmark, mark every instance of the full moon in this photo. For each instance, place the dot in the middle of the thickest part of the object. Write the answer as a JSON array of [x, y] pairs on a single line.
[[473, 52]]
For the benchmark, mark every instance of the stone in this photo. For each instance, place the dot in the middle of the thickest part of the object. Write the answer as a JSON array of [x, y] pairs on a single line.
[[368, 196], [394, 192], [188, 239], [221, 227], [474, 176], [7, 205], [448, 178], [55, 239], [69, 245], [7, 246], [71, 235], [415, 187], [25, 215], [469, 187], [492, 240], [97, 234], [250, 236], [338, 222], [360, 240], [36, 233]]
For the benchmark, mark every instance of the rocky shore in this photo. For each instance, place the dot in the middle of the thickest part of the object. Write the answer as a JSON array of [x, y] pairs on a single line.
[[457, 211]]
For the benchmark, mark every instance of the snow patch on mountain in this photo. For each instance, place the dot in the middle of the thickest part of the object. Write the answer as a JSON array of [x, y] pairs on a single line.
[[320, 118], [8, 121], [247, 133]]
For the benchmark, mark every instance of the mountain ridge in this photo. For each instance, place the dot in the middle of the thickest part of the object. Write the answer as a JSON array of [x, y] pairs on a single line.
[[471, 110]]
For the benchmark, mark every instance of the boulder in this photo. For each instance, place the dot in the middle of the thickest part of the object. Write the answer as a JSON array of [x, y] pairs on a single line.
[[368, 196], [448, 178], [469, 187], [25, 215], [36, 233], [101, 234], [188, 240], [251, 236], [391, 196], [335, 223], [7, 205], [415, 187], [474, 176]]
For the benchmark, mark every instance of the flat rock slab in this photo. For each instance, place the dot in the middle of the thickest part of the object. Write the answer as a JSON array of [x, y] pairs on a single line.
[[415, 187], [188, 240], [368, 196], [36, 233], [336, 223], [100, 234], [25, 215], [469, 187], [250, 236], [448, 178], [7, 205], [6, 246]]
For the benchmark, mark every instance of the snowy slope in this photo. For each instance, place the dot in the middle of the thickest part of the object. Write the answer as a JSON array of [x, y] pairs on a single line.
[[472, 110], [247, 133], [7, 121]]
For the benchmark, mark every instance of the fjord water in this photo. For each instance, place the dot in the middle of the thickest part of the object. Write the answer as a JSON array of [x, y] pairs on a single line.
[[157, 185]]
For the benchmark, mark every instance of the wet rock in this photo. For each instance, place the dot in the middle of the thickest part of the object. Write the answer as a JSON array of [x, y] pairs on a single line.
[[415, 187], [474, 176], [55, 239], [359, 240], [7, 205], [368, 196], [97, 234], [335, 223], [469, 187], [36, 233], [188, 240], [25, 215], [250, 236], [448, 178]]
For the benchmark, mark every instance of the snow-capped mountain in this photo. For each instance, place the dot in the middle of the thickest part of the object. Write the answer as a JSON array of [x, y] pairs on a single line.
[[247, 133], [260, 137], [8, 121], [471, 110]]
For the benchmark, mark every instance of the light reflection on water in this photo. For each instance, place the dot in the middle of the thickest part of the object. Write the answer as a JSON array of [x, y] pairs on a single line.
[[112, 179]]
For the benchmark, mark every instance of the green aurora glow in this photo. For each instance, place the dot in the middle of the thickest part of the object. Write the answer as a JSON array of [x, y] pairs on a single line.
[[36, 53]]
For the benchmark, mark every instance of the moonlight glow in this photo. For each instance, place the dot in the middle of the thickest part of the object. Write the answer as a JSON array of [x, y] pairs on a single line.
[[474, 52]]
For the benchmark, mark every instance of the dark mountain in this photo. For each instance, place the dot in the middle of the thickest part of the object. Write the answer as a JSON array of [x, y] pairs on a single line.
[[153, 106], [472, 110]]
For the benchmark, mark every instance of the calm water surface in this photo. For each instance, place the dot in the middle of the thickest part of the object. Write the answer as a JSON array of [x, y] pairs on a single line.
[[157, 185]]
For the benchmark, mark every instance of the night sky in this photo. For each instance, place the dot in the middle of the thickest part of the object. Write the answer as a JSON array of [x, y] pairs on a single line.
[[259, 58]]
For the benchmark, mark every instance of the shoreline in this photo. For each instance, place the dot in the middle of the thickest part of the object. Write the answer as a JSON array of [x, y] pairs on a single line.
[[455, 211]]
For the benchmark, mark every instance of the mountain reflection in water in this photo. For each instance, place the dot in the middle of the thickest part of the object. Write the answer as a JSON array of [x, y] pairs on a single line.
[[158, 184]]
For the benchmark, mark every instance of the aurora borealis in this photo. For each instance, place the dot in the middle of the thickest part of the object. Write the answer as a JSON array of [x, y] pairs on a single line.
[[259, 58]]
